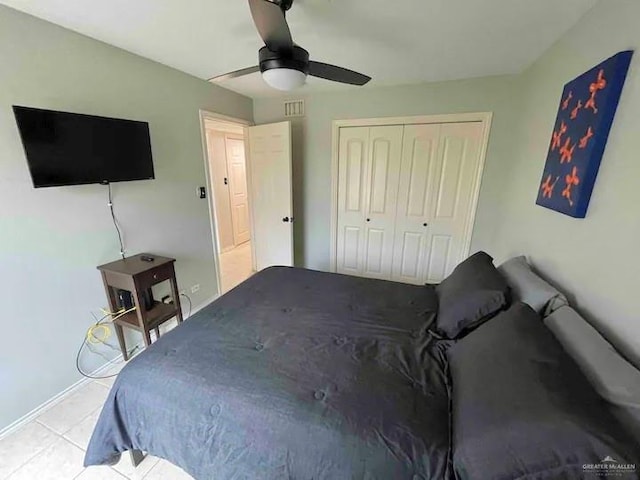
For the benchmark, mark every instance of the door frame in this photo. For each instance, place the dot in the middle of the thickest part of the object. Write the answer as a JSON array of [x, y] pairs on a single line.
[[483, 117], [213, 220]]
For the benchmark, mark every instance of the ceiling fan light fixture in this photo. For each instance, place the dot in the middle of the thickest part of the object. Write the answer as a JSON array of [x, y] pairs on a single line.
[[284, 79], [285, 65]]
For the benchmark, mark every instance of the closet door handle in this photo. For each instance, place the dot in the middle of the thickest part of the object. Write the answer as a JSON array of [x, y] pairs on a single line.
[[425, 224], [368, 219]]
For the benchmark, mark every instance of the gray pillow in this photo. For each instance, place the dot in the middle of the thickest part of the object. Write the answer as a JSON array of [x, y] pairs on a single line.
[[529, 288], [473, 293], [613, 377]]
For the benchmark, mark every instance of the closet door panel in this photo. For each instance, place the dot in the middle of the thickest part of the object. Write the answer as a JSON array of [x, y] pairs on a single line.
[[438, 257], [351, 248], [451, 170], [451, 203], [405, 199], [420, 155], [409, 251], [352, 177], [375, 249], [385, 158]]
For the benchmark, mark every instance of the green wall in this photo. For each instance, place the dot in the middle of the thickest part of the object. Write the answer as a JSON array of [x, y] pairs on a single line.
[[312, 147], [596, 259], [52, 239]]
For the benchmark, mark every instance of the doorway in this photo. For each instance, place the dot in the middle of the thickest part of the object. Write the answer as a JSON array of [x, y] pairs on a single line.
[[248, 171], [228, 187]]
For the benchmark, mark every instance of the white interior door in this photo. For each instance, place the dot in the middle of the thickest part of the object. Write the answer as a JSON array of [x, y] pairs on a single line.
[[271, 194], [420, 161], [452, 201], [385, 154], [353, 166], [238, 194], [369, 169]]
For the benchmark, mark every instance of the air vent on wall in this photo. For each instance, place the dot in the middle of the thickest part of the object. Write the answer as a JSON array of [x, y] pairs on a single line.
[[294, 108]]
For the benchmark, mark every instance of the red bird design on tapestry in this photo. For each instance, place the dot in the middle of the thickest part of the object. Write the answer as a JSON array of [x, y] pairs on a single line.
[[547, 187], [574, 112], [566, 153], [565, 103], [557, 136], [571, 181], [585, 140], [594, 88]]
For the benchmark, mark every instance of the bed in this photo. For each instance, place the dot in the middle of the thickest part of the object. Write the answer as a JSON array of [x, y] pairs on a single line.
[[293, 374], [298, 374]]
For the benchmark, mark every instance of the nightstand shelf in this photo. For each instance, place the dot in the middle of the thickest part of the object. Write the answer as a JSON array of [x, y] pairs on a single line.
[[159, 313], [137, 276]]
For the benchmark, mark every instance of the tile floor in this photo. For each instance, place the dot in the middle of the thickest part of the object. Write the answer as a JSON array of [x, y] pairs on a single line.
[[52, 446], [235, 266]]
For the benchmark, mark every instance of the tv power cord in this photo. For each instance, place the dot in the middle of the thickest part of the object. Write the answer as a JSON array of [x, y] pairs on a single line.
[[113, 218]]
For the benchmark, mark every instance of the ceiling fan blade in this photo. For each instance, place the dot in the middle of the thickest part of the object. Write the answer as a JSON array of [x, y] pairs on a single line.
[[271, 24], [236, 74], [337, 74]]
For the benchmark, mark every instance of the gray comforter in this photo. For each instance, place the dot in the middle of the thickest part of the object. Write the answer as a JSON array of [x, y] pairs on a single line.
[[294, 374]]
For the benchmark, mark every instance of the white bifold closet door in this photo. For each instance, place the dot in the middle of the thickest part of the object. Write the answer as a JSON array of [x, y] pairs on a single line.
[[369, 170], [439, 170], [405, 199]]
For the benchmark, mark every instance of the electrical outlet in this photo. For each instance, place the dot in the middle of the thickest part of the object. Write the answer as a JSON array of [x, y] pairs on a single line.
[[195, 288]]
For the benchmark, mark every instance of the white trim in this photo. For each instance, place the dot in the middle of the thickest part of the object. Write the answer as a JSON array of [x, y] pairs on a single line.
[[473, 208], [335, 154], [252, 222], [247, 168], [59, 397], [415, 120], [217, 117], [213, 220], [484, 117]]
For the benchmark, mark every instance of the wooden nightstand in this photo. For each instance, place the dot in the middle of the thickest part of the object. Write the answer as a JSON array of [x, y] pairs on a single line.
[[136, 276]]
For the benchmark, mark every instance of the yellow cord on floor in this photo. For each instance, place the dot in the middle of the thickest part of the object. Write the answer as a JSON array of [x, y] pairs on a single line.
[[104, 329]]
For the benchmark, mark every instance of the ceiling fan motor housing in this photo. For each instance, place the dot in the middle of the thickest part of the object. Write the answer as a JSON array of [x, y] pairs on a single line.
[[296, 59], [283, 4]]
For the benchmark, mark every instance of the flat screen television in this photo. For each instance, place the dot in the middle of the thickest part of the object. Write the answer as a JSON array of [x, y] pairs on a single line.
[[74, 149]]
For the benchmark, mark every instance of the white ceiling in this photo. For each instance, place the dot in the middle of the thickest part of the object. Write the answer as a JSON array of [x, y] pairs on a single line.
[[395, 42]]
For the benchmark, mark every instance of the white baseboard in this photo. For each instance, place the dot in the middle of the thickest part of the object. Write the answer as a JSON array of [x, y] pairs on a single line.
[[39, 410]]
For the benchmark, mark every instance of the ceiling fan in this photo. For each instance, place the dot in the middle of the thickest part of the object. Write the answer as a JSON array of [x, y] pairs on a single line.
[[283, 64]]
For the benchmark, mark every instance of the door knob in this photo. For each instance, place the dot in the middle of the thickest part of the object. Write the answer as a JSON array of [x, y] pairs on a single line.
[[368, 219], [425, 224], [287, 219]]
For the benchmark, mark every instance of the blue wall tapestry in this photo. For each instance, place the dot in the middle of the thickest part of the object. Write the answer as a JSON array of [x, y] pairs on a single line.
[[585, 115]]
